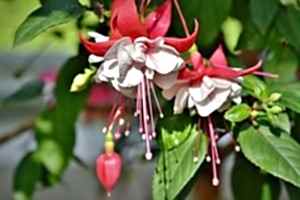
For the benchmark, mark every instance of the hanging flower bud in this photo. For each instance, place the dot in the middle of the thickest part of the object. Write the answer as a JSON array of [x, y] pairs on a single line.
[[109, 165]]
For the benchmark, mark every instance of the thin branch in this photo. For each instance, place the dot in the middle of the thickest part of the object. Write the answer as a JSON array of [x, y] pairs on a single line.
[[5, 137]]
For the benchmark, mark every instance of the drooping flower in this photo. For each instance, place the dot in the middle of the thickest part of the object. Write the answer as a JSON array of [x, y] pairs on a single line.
[[208, 86], [126, 22], [109, 165], [137, 56]]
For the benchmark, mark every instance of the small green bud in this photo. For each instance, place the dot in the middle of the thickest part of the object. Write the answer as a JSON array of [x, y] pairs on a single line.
[[275, 97], [276, 109], [81, 80]]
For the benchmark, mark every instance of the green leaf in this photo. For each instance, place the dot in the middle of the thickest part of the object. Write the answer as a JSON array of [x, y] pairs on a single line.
[[247, 179], [288, 24], [263, 13], [28, 91], [180, 131], [52, 13], [255, 87], [232, 29], [290, 95], [277, 155], [211, 15], [176, 167], [28, 174], [282, 121], [55, 129], [238, 113], [281, 60], [295, 3]]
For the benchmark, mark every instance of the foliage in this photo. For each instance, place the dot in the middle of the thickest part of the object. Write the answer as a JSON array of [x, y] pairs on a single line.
[[262, 124]]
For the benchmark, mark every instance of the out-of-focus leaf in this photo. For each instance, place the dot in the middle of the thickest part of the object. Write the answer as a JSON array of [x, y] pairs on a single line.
[[50, 14], [247, 179], [176, 167], [288, 23], [277, 155], [238, 113], [55, 130], [282, 61], [263, 13], [27, 175], [232, 29], [295, 3], [290, 95], [26, 92], [255, 87], [211, 15], [293, 192]]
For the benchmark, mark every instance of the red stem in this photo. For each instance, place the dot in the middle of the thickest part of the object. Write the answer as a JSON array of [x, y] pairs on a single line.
[[181, 17]]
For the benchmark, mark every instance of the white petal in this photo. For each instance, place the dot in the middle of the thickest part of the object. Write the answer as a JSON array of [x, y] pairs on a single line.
[[237, 100], [236, 89], [181, 100], [202, 91], [110, 69], [129, 92], [163, 61], [166, 81], [191, 102], [133, 78], [149, 74], [212, 103], [95, 59], [112, 53], [98, 37], [222, 83]]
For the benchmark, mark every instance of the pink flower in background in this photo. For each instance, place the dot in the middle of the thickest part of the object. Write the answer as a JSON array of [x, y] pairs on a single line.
[[101, 95]]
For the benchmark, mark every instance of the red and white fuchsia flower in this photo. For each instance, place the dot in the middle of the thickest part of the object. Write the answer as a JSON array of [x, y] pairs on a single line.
[[137, 56], [207, 86]]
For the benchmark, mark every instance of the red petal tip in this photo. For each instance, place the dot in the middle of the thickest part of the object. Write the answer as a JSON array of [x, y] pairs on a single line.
[[184, 44]]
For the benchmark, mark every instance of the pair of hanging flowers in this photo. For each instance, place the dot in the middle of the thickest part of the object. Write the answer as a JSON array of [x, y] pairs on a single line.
[[137, 57]]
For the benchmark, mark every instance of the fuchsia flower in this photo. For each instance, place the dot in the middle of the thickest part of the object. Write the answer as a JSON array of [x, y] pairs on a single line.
[[126, 22], [136, 57], [207, 86]]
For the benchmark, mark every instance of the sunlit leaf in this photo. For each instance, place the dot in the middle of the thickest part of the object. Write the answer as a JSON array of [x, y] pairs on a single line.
[[50, 14], [176, 167]]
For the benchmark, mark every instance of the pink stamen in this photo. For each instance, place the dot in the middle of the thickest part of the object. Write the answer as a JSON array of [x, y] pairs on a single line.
[[214, 152], [145, 114], [152, 127], [181, 17], [266, 74], [161, 114]]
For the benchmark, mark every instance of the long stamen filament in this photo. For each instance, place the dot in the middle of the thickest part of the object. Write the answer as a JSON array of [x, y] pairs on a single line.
[[150, 108], [181, 17], [161, 114], [214, 152], [148, 154]]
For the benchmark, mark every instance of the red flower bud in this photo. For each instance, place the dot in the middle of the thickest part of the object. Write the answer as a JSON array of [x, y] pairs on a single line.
[[108, 170]]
